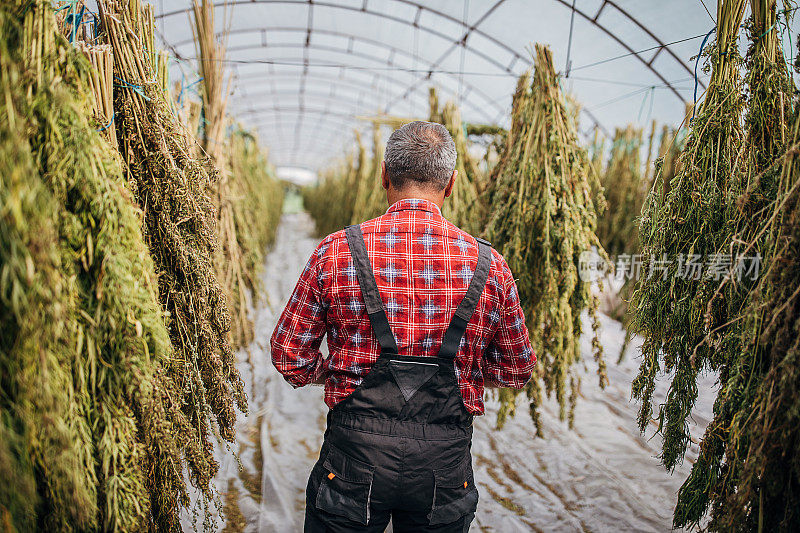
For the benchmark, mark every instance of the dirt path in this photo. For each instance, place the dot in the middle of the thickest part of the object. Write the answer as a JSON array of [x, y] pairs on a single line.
[[603, 476]]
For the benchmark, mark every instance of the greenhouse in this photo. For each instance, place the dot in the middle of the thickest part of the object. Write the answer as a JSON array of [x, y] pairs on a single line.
[[394, 265]]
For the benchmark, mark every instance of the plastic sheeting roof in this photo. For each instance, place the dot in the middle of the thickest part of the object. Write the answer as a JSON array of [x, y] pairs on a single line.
[[303, 71]]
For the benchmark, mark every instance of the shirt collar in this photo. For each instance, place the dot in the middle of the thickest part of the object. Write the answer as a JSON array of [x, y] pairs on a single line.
[[414, 204]]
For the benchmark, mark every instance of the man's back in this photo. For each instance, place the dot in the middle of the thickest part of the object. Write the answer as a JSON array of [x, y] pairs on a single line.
[[418, 314], [422, 265]]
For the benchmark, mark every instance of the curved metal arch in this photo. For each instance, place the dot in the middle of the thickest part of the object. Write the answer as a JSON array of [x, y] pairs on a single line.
[[491, 119], [268, 117], [287, 149], [392, 50], [335, 129], [324, 127], [320, 31], [345, 120], [335, 80], [352, 111], [478, 108], [284, 146], [594, 21], [319, 158], [363, 9], [354, 83], [314, 95], [462, 42], [332, 126], [627, 47], [326, 99], [372, 42], [473, 28]]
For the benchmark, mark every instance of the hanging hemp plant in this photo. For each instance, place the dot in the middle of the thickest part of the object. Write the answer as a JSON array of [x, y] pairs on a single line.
[[670, 147], [624, 185], [336, 187], [718, 207], [256, 202], [172, 187], [109, 439], [370, 200], [462, 207], [757, 418], [686, 216], [735, 475], [623, 182], [543, 219], [229, 259], [45, 442], [214, 88], [347, 186]]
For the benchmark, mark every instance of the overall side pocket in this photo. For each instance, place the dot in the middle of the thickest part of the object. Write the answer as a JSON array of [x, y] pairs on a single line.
[[454, 493], [346, 487]]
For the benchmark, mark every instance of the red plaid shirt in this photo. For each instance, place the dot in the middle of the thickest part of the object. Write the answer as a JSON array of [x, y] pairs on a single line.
[[423, 265]]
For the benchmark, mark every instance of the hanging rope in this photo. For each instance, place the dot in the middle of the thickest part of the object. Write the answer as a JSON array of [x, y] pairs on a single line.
[[110, 122], [139, 89], [697, 62]]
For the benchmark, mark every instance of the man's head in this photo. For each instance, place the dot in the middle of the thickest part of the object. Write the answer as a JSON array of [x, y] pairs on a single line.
[[420, 160]]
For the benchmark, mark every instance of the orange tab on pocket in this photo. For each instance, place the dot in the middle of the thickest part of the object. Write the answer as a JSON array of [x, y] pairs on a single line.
[[465, 484], [331, 475]]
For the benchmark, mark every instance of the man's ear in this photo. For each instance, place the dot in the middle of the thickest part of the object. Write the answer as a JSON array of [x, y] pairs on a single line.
[[449, 189], [384, 176]]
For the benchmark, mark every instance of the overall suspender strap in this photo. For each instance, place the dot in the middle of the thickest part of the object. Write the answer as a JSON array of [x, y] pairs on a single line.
[[369, 290], [458, 325]]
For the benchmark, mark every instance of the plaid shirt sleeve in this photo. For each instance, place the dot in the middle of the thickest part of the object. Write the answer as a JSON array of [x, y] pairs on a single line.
[[301, 327], [509, 359]]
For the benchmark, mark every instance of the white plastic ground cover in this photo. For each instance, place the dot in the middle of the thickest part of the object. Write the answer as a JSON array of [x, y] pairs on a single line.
[[603, 476]]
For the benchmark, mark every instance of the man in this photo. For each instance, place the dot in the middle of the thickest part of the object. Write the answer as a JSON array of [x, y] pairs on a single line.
[[419, 315]]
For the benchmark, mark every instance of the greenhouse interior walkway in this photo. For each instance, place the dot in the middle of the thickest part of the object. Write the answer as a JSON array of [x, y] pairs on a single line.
[[602, 476]]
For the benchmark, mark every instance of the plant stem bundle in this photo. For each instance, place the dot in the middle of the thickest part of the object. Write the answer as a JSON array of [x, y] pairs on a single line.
[[108, 349], [542, 219], [45, 441], [756, 484], [173, 188], [256, 199], [462, 207], [229, 258], [101, 85], [180, 226], [115, 358], [215, 91], [686, 216], [724, 200], [331, 200], [370, 200], [625, 188]]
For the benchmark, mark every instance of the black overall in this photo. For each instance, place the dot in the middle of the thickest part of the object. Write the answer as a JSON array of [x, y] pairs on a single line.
[[399, 446]]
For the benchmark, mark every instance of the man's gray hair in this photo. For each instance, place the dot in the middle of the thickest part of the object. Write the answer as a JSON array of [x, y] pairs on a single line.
[[421, 152]]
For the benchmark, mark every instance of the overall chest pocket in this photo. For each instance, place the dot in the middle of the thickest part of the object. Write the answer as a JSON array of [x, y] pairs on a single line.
[[454, 493], [346, 487]]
